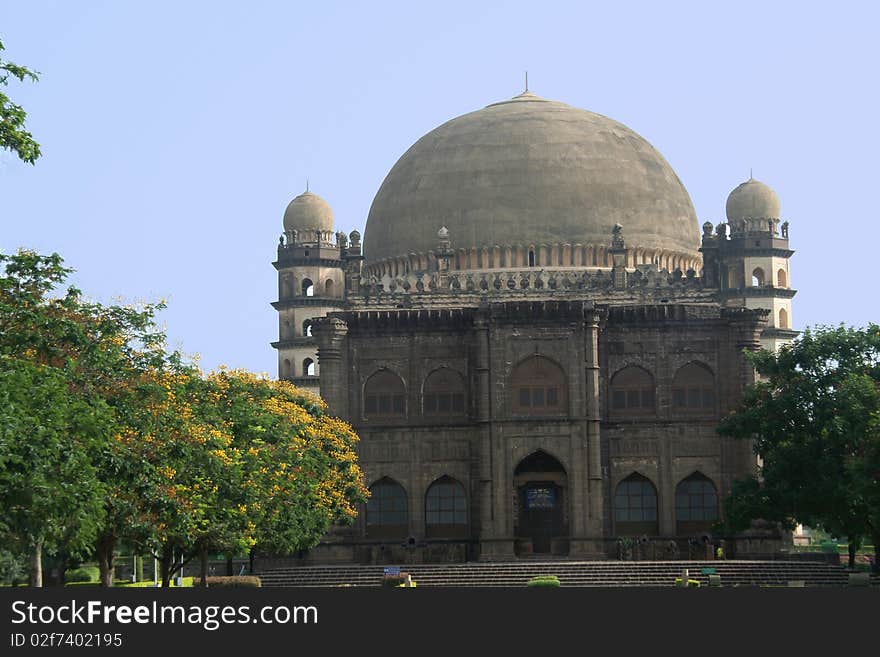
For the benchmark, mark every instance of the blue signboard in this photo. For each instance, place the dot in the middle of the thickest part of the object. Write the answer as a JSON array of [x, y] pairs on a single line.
[[392, 570], [540, 498]]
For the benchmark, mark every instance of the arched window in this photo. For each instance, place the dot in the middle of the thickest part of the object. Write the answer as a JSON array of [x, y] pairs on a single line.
[[387, 510], [307, 328], [384, 395], [308, 367], [444, 393], [758, 277], [635, 506], [696, 504], [783, 318], [693, 389], [446, 509], [538, 388], [531, 258], [328, 288], [632, 391], [286, 372], [781, 278], [308, 289]]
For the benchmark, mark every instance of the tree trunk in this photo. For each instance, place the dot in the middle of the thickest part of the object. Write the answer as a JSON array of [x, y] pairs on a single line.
[[50, 572], [165, 568], [229, 566], [251, 562], [36, 574], [203, 571], [63, 564], [104, 549], [852, 547]]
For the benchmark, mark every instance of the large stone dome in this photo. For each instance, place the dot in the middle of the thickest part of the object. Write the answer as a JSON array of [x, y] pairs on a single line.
[[530, 171]]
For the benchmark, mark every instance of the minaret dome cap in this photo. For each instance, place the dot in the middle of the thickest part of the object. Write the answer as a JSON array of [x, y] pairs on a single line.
[[308, 212], [752, 200]]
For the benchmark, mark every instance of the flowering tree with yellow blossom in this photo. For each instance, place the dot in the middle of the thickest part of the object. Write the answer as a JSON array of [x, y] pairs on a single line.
[[300, 471], [188, 471], [238, 461]]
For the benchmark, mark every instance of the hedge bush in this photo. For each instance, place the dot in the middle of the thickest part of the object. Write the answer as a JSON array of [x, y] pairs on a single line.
[[83, 574], [544, 580], [244, 581]]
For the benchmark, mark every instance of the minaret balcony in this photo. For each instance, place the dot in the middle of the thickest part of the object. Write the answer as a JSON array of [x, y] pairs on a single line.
[[304, 341], [300, 301], [769, 292]]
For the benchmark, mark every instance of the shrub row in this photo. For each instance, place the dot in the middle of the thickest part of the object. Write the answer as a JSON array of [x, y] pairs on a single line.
[[544, 580], [244, 581], [83, 574]]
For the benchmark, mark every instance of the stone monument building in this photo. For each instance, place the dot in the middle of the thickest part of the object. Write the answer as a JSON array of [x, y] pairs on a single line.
[[537, 341]]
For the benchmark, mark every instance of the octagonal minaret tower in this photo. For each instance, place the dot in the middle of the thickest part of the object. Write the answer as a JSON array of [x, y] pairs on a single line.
[[311, 283], [753, 259]]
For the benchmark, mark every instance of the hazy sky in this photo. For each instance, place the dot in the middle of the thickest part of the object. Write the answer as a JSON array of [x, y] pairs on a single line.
[[175, 133]]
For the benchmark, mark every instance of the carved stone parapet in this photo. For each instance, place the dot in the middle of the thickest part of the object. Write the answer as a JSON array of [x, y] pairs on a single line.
[[329, 331]]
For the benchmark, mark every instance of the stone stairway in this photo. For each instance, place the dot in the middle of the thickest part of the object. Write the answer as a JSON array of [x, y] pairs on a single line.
[[639, 574]]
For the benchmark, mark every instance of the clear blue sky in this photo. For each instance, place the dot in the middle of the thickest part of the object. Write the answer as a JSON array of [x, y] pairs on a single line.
[[175, 133]]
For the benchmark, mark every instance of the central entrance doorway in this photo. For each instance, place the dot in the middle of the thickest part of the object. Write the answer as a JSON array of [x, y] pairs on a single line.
[[541, 518]]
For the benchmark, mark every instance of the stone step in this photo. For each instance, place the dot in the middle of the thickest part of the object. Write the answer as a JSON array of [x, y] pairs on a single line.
[[573, 569], [551, 567], [571, 574], [448, 574]]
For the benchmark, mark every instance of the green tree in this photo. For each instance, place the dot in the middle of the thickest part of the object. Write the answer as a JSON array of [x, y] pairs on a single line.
[[130, 478], [13, 569], [49, 490], [82, 357], [133, 387], [13, 135], [812, 416], [865, 471]]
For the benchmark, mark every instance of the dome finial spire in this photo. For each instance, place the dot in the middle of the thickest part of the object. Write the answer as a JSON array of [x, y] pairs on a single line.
[[751, 177], [527, 80], [307, 184]]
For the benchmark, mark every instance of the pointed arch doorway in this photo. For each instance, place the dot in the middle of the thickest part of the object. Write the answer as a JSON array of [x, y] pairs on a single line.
[[541, 493]]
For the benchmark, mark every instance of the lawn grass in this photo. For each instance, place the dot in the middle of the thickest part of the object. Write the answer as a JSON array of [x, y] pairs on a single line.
[[123, 583]]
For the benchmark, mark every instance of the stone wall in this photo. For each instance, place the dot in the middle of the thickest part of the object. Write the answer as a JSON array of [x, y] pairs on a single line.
[[596, 449]]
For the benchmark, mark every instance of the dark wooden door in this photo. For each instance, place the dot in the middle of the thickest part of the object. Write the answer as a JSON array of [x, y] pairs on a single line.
[[541, 513]]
